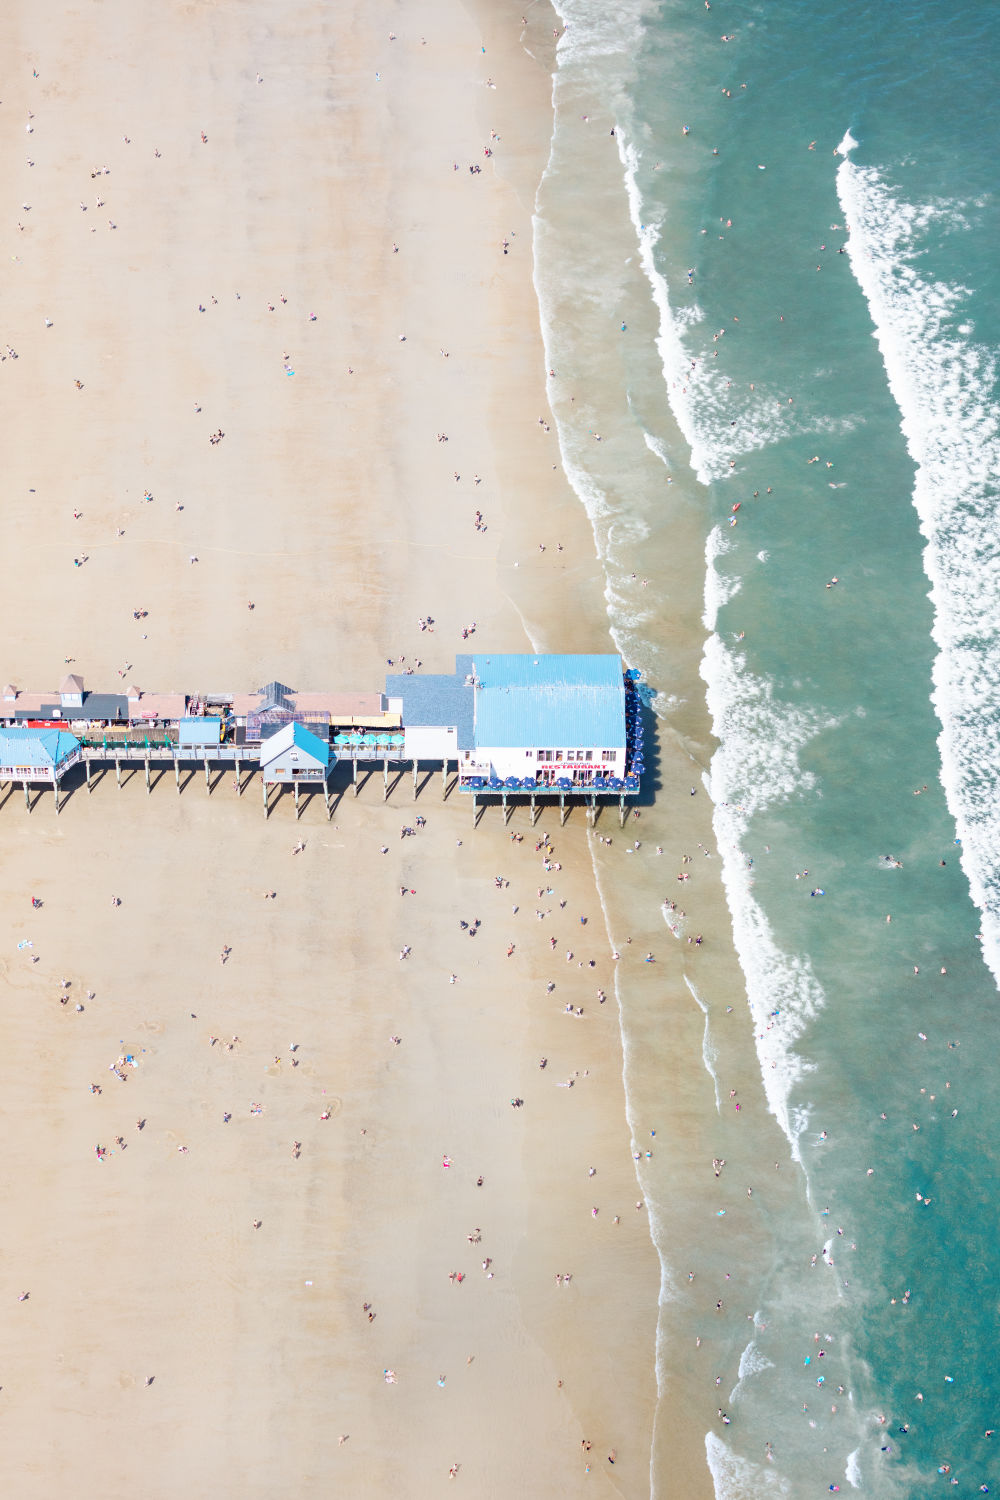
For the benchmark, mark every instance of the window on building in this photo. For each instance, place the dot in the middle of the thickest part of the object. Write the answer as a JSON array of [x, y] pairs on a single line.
[[559, 755], [609, 754]]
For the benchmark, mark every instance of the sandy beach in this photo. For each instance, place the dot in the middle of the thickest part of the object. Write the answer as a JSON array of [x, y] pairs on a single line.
[[264, 223]]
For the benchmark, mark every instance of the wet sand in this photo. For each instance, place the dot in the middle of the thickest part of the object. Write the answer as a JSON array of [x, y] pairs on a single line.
[[331, 503]]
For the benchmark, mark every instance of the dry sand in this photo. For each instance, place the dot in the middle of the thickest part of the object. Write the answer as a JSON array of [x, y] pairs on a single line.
[[331, 503]]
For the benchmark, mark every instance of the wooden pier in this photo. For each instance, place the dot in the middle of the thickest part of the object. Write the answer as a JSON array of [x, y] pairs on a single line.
[[309, 740]]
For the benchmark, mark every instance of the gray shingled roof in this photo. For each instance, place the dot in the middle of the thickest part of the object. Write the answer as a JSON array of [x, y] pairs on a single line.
[[435, 701]]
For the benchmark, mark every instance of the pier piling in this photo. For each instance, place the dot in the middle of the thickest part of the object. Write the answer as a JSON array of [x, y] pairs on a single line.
[[55, 789], [27, 798], [326, 798], [177, 774], [474, 810], [239, 783], [263, 787], [444, 779], [86, 762], [118, 772], [354, 773], [414, 781], [622, 813], [146, 759], [295, 793], [562, 809], [208, 784], [385, 779]]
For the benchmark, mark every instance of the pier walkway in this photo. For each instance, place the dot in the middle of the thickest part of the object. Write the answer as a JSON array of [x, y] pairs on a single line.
[[154, 761]]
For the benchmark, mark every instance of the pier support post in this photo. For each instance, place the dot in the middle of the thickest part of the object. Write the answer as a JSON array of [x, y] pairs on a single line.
[[534, 810], [354, 773], [562, 808], [177, 774], [326, 797], [263, 786], [385, 779], [415, 781], [622, 813], [27, 799], [592, 810], [55, 790], [444, 779], [208, 784], [147, 773], [295, 793], [473, 809], [239, 783], [118, 772], [86, 762]]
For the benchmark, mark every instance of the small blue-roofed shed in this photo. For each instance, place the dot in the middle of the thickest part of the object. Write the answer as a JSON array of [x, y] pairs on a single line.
[[198, 734]]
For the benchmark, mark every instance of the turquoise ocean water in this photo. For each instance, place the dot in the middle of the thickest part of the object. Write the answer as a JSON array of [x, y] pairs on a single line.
[[812, 336]]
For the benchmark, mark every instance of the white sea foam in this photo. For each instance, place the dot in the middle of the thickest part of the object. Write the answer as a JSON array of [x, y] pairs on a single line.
[[737, 1478], [755, 767], [718, 427], [752, 1362], [719, 587], [657, 446], [852, 1471], [945, 387], [708, 1052], [595, 32]]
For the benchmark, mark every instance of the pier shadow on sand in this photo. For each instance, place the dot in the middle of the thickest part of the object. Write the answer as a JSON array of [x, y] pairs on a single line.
[[341, 781]]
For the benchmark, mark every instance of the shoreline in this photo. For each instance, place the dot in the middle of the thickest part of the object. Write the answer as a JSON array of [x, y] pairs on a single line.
[[705, 1257]]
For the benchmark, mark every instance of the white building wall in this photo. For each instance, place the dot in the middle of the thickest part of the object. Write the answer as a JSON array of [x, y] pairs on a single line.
[[522, 763], [431, 742]]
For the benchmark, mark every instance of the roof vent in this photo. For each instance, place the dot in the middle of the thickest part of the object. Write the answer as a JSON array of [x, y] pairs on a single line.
[[275, 695]]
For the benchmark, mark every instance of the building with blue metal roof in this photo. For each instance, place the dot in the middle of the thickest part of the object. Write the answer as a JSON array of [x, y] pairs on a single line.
[[548, 721], [36, 754], [533, 702], [520, 721]]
